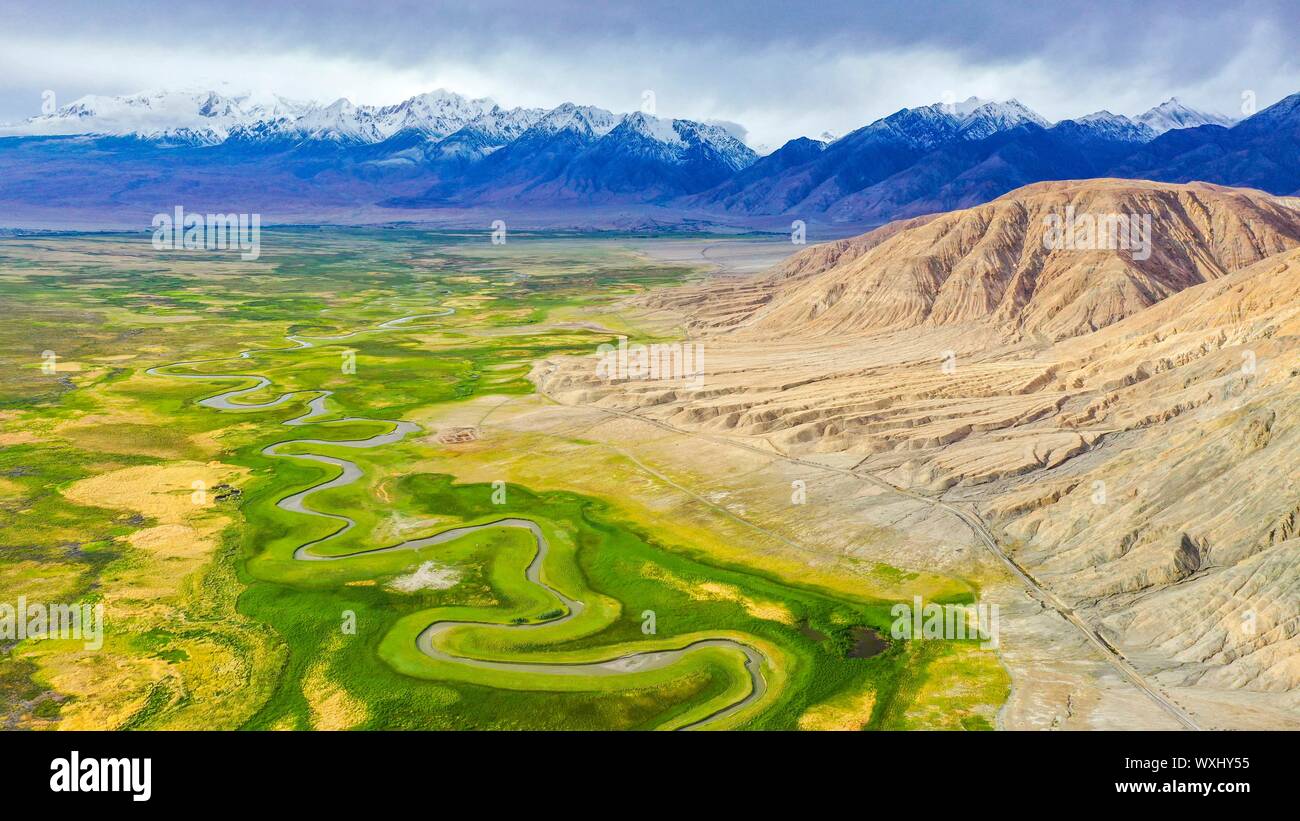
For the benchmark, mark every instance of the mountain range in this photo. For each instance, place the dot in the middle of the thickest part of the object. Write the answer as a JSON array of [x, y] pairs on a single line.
[[442, 152]]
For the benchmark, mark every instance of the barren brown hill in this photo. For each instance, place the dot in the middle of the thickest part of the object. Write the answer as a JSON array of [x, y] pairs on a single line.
[[715, 306], [992, 261]]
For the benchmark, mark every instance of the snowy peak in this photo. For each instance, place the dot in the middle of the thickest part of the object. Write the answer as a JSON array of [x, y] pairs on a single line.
[[991, 117], [938, 123], [1172, 114], [1008, 113], [959, 109], [723, 146], [340, 121], [504, 123], [210, 116], [923, 127], [674, 141], [1103, 116], [435, 114], [586, 121], [652, 128], [207, 116], [1114, 127]]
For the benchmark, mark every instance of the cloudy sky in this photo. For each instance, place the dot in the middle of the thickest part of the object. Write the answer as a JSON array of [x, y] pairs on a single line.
[[780, 69]]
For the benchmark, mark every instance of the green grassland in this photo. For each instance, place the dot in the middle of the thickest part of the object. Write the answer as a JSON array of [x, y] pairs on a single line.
[[211, 622]]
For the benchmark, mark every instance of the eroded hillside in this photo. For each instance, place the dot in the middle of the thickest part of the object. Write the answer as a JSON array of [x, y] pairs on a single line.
[[1126, 428]]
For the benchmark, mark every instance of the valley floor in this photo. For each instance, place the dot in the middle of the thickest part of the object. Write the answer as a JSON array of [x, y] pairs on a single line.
[[493, 558]]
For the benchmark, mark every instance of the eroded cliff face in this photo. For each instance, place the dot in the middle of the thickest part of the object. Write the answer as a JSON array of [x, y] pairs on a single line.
[[1127, 430]]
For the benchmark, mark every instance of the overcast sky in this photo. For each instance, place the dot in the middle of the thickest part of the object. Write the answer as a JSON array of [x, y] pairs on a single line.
[[780, 69]]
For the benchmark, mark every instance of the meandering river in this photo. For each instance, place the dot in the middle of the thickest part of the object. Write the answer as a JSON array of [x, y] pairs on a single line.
[[350, 472]]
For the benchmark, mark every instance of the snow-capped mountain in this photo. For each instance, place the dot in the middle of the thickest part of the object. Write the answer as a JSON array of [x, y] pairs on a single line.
[[938, 123], [922, 127], [578, 152], [435, 114], [865, 157], [991, 117], [1170, 115], [482, 135], [661, 133], [539, 154], [1173, 114], [209, 117], [340, 121], [442, 149], [658, 156], [1110, 137], [1262, 151], [583, 120], [1105, 125], [200, 116], [675, 139]]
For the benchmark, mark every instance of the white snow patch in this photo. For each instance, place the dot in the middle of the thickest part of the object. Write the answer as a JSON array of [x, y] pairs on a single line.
[[663, 131]]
